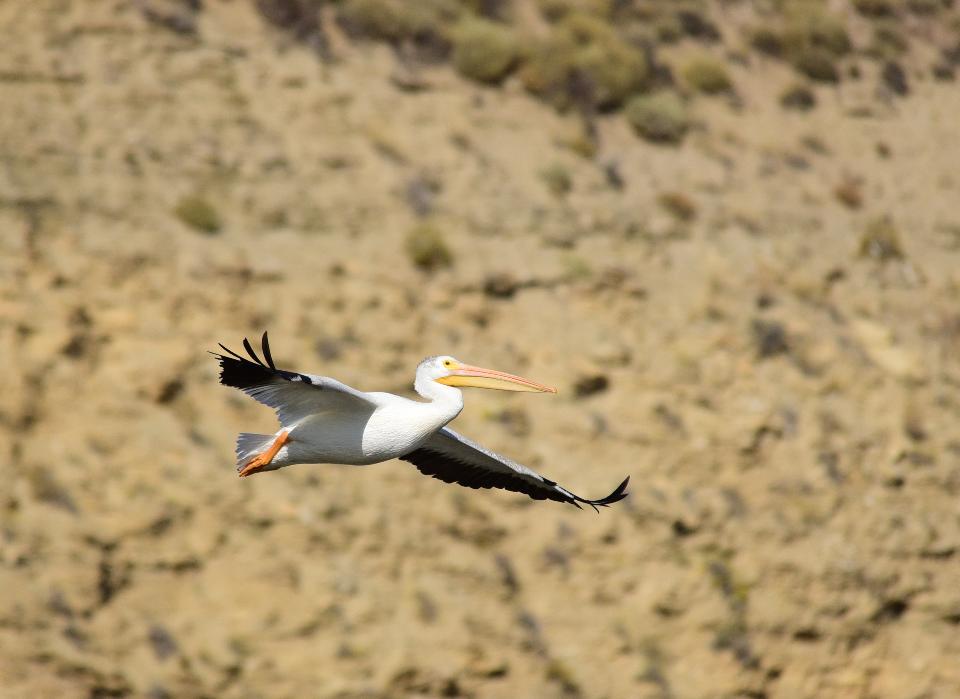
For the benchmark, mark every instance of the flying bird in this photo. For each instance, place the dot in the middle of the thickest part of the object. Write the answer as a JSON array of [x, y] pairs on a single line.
[[325, 421]]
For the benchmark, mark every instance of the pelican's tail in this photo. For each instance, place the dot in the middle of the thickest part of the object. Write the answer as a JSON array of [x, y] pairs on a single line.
[[250, 445]]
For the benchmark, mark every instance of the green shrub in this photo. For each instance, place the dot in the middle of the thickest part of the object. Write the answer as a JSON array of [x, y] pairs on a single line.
[[426, 247], [374, 19], [809, 38], [199, 214], [817, 64], [873, 8], [925, 7], [849, 193], [556, 10], [815, 30], [428, 23], [484, 51], [547, 68], [584, 60], [708, 75], [803, 25], [881, 241], [425, 21], [768, 40], [576, 267], [888, 41], [616, 69], [828, 32], [679, 205], [558, 180], [660, 117], [581, 138], [668, 29], [798, 96]]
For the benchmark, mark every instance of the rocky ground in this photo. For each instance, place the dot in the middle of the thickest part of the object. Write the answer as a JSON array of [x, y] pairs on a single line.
[[760, 325]]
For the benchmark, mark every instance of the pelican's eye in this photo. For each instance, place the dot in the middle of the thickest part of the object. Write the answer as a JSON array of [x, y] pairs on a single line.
[[447, 363]]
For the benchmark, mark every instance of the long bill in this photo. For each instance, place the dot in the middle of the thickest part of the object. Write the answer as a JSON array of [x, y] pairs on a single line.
[[478, 377]]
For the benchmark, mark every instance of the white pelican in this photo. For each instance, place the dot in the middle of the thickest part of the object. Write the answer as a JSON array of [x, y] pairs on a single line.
[[325, 421]]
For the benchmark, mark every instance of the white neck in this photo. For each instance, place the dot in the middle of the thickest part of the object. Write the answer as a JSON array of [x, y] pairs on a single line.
[[447, 398]]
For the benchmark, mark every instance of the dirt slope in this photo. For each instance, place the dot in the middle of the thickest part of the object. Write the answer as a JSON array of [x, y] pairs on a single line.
[[777, 372]]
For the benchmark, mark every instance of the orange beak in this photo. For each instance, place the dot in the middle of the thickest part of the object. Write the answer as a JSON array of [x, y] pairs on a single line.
[[478, 377]]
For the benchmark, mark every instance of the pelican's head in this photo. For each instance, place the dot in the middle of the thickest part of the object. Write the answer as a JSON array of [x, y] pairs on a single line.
[[452, 372]]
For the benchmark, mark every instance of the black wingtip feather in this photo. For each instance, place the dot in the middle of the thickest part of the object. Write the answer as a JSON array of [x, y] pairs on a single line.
[[230, 352], [240, 372], [616, 496], [265, 346], [247, 372], [247, 346]]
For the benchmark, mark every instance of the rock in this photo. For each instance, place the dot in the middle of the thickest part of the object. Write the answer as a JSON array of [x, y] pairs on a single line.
[[770, 338], [500, 285], [895, 78], [880, 345], [590, 385]]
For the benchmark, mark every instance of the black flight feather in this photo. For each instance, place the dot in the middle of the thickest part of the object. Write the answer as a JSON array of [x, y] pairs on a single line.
[[265, 345], [450, 470], [241, 372]]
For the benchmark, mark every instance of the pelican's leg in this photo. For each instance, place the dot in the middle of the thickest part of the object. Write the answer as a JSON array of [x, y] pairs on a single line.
[[261, 461]]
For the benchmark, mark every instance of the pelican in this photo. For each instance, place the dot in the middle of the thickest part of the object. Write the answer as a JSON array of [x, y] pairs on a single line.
[[325, 421]]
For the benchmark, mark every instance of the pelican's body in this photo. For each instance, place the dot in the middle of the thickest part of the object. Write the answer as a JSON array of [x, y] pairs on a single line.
[[325, 421], [360, 436]]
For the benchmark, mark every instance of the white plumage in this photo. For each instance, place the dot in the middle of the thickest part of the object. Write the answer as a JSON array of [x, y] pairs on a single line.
[[325, 421]]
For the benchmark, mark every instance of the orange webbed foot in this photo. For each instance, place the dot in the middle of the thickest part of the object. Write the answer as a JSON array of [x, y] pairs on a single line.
[[261, 461]]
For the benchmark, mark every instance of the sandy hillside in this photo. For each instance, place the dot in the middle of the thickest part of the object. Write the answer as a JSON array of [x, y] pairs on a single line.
[[776, 370]]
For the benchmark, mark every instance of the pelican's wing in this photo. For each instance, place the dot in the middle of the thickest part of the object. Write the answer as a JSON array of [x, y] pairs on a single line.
[[453, 458], [293, 395]]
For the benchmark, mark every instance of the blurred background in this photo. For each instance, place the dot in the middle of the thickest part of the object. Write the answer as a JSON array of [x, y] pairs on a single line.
[[727, 230]]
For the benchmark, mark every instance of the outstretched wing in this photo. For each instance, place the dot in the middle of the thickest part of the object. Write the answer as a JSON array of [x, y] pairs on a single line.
[[293, 395], [453, 458]]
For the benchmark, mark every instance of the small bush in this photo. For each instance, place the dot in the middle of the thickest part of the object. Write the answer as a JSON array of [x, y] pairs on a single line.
[[943, 71], [484, 51], [708, 75], [426, 247], [668, 29], [849, 193], [199, 214], [873, 8], [679, 205], [558, 180], [808, 38], [828, 32], [881, 241], [888, 42], [374, 19], [894, 77], [424, 23], [696, 24], [564, 676], [660, 117], [584, 62], [590, 384], [769, 337], [556, 10], [547, 69], [576, 267], [817, 64], [612, 70], [768, 40], [807, 26], [428, 24], [580, 138], [925, 7], [798, 96]]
